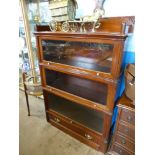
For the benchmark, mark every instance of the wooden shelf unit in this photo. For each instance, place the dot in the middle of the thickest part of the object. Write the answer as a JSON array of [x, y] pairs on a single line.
[[80, 73]]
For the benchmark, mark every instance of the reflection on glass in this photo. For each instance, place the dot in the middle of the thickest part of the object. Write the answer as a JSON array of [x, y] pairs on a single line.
[[38, 13], [93, 56], [35, 10], [91, 90], [87, 117]]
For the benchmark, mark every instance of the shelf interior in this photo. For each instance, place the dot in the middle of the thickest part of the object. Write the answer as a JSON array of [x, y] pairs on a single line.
[[90, 118], [87, 89]]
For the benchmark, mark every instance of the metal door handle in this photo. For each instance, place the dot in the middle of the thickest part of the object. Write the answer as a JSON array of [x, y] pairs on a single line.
[[129, 118], [123, 141], [126, 130], [88, 137], [57, 120]]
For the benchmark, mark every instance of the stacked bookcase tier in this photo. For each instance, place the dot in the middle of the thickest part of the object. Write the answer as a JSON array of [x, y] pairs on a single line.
[[91, 90], [89, 93], [87, 125], [92, 55], [88, 55]]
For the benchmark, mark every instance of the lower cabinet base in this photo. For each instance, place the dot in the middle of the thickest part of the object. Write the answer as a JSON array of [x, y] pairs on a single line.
[[99, 147], [89, 126]]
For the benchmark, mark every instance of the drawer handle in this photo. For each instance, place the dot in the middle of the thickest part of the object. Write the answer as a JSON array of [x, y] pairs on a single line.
[[120, 152], [88, 137], [98, 74], [57, 120], [126, 130], [123, 141], [129, 118]]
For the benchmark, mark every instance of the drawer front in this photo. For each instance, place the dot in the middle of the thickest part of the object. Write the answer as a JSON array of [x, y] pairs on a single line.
[[124, 142], [128, 116], [120, 150], [126, 130], [68, 123]]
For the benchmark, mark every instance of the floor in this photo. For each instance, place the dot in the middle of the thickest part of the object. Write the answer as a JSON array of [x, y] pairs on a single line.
[[37, 137]]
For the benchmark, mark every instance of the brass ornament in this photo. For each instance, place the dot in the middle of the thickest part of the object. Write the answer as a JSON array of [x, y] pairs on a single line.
[[53, 26], [65, 26], [74, 27]]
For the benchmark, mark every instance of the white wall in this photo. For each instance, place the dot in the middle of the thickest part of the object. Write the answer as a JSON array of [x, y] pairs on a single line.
[[85, 7], [112, 8], [119, 8]]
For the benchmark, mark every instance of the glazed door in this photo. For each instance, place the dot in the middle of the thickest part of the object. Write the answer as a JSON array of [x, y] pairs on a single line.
[[89, 118], [83, 91], [91, 56]]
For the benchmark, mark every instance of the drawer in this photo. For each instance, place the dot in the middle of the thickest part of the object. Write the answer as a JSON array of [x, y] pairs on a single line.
[[68, 123], [124, 142], [126, 130], [120, 150], [128, 116]]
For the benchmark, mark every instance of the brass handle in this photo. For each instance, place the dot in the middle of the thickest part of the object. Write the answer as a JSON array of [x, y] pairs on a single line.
[[120, 151], [57, 120], [129, 118], [98, 74], [131, 84], [126, 130], [88, 137], [123, 141]]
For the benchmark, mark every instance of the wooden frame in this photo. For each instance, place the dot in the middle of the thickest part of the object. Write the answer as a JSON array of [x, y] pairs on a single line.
[[115, 35]]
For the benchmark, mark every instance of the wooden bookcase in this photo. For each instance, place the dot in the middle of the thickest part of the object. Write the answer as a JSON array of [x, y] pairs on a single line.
[[80, 74]]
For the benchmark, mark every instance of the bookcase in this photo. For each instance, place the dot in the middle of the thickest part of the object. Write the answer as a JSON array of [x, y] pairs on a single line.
[[80, 73]]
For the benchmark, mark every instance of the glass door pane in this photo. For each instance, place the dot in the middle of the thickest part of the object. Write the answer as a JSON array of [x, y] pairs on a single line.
[[31, 13], [87, 89], [87, 117], [92, 56]]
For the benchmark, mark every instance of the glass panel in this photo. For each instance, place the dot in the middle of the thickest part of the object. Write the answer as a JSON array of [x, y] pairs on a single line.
[[24, 63], [88, 117], [87, 89], [37, 13], [93, 56]]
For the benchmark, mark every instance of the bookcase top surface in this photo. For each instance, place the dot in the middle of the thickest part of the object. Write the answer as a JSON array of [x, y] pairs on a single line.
[[111, 27], [86, 34]]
